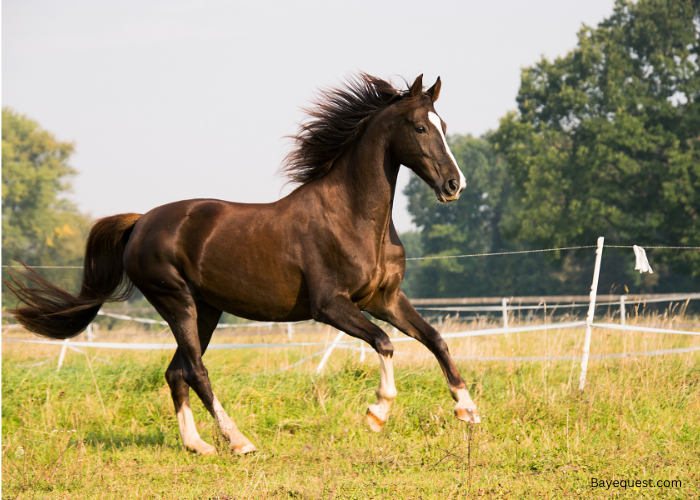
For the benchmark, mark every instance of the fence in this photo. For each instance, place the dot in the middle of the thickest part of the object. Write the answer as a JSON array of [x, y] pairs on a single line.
[[506, 305], [550, 303]]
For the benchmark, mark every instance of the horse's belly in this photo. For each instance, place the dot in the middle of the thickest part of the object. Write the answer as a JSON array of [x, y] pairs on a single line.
[[258, 297]]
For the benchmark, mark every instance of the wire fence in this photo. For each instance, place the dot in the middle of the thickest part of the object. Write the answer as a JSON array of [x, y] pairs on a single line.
[[516, 252], [490, 254], [505, 307]]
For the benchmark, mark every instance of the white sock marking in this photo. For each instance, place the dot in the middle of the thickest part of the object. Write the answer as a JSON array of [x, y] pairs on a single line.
[[188, 429], [226, 425], [386, 393], [229, 429], [464, 402]]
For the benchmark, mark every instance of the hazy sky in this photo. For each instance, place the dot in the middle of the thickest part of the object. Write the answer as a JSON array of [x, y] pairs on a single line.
[[169, 100]]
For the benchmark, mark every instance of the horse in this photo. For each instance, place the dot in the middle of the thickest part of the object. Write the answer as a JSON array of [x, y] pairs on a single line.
[[327, 251]]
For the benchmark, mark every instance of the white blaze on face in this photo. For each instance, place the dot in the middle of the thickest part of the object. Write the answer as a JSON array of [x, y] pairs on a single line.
[[435, 120]]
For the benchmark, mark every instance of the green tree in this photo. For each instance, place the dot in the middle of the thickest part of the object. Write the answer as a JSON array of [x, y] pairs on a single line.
[[472, 225], [606, 140], [468, 226], [39, 226], [475, 224]]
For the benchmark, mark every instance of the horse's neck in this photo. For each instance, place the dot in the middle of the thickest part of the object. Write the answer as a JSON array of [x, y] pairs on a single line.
[[365, 180]]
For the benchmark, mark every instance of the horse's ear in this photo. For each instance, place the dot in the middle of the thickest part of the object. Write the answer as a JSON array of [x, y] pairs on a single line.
[[434, 91], [417, 87]]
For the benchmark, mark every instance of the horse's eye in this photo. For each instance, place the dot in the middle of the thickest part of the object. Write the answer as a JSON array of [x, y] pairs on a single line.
[[421, 129]]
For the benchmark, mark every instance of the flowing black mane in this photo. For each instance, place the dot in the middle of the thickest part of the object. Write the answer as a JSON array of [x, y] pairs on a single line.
[[336, 119]]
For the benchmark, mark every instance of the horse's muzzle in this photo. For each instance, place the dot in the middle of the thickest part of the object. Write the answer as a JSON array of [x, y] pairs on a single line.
[[450, 191]]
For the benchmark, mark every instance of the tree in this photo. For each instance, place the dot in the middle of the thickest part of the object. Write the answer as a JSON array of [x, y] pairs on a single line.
[[39, 226], [471, 225], [606, 140], [468, 226], [475, 224]]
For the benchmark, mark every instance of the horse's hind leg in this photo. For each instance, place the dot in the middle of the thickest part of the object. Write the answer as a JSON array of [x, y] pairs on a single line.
[[192, 327], [180, 392], [207, 318]]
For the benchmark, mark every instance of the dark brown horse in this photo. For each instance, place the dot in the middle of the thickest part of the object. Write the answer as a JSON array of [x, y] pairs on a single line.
[[328, 251]]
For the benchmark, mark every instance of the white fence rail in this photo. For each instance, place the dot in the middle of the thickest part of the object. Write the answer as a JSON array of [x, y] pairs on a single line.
[[506, 305]]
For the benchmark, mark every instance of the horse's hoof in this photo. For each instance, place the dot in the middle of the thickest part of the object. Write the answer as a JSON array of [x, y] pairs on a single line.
[[202, 448], [244, 448], [209, 450], [471, 416], [375, 423]]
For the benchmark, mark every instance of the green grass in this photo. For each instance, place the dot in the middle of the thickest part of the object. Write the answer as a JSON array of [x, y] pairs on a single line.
[[540, 437]]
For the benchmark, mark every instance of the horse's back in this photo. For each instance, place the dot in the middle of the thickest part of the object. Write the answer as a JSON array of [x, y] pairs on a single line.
[[232, 255]]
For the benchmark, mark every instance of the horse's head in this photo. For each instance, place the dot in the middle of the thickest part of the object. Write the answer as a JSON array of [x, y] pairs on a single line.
[[419, 143]]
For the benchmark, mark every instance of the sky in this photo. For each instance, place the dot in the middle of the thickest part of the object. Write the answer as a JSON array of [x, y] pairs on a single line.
[[171, 100]]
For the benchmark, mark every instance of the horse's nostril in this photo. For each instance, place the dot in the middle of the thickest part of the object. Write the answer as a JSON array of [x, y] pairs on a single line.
[[451, 187]]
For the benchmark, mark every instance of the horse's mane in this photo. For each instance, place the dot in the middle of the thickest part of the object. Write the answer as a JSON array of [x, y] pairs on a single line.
[[336, 118]]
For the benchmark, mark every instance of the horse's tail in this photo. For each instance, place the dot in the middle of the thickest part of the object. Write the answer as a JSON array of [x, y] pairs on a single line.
[[53, 312]]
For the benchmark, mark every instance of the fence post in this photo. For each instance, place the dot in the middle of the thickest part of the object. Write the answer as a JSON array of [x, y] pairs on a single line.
[[328, 352], [623, 314], [591, 313], [504, 304], [290, 331], [62, 356], [89, 333]]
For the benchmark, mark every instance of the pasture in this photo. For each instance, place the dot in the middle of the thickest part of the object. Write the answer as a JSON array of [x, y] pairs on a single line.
[[104, 426]]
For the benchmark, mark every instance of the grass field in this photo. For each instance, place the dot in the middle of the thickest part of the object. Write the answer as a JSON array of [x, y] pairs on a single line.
[[104, 426]]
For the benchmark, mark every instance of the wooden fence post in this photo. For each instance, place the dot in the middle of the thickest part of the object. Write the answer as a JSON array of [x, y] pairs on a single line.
[[623, 313]]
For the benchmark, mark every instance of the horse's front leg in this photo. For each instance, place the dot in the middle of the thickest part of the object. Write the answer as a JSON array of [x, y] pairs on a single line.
[[342, 314], [378, 413], [400, 313]]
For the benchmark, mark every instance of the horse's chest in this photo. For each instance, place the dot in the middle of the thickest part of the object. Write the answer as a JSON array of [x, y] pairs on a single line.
[[368, 280], [365, 267]]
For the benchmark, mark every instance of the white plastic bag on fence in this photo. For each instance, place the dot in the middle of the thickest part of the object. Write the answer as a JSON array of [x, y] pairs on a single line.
[[642, 264]]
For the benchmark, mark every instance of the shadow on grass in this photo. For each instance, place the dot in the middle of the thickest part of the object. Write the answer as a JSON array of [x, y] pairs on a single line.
[[121, 440]]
